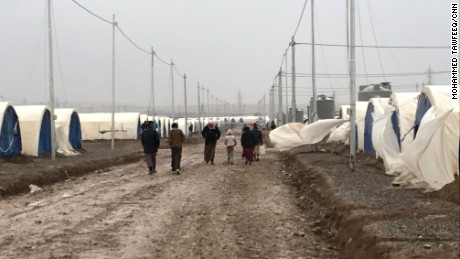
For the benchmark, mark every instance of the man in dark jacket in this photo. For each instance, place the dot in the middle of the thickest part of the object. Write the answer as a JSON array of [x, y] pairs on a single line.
[[175, 139], [211, 134], [258, 137], [150, 141]]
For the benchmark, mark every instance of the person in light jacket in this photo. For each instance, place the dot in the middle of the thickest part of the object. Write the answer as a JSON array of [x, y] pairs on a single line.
[[230, 143]]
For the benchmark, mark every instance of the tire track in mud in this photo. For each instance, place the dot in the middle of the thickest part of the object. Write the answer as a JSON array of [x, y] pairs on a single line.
[[221, 211]]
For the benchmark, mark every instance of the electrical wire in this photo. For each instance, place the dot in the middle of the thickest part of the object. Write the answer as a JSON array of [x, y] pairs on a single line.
[[375, 38], [89, 11], [131, 41], [364, 75], [177, 71], [161, 60], [375, 46], [300, 19], [361, 38], [59, 56], [11, 4]]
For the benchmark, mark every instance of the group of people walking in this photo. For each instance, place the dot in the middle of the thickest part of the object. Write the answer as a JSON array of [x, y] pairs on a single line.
[[251, 140]]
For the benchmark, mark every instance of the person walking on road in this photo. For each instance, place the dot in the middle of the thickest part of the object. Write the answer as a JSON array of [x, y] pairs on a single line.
[[248, 142], [211, 134], [258, 136], [150, 142], [230, 143], [176, 139]]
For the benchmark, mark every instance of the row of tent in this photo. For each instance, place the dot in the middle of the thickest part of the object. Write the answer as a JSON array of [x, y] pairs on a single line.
[[416, 135], [27, 129]]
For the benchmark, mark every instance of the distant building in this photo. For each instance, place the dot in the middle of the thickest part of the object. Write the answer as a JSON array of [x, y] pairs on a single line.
[[366, 92], [325, 105]]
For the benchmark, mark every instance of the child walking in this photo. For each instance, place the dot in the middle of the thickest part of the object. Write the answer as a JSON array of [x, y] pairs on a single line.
[[230, 143]]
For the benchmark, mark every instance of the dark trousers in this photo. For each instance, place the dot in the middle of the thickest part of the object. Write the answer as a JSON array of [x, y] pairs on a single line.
[[209, 151], [151, 160], [176, 156]]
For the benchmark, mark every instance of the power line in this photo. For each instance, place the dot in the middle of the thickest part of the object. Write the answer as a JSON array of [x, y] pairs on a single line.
[[365, 75], [300, 19], [375, 46], [95, 15], [375, 37], [132, 42], [161, 60]]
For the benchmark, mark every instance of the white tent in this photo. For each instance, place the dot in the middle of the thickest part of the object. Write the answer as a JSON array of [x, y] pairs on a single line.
[[10, 136], [405, 108], [99, 126], [69, 121], [35, 124], [434, 155]]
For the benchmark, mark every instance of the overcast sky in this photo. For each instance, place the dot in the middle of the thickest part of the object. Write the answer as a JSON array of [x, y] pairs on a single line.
[[226, 45]]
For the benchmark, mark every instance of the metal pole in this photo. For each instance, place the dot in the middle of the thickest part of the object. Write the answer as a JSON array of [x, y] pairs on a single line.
[[199, 107], [313, 66], [202, 105], [51, 84], [287, 87], [294, 108], [280, 98], [172, 90], [352, 136], [113, 83], [152, 86], [209, 110], [185, 104], [265, 111]]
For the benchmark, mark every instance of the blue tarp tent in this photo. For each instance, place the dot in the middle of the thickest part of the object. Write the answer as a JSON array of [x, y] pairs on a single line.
[[423, 106], [10, 136], [68, 118], [375, 108], [35, 122]]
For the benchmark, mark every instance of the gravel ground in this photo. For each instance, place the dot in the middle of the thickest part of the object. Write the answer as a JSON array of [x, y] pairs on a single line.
[[369, 216]]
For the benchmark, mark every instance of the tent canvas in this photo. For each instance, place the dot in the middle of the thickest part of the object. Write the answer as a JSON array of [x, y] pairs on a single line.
[[10, 136], [35, 123], [68, 119], [433, 156], [375, 108]]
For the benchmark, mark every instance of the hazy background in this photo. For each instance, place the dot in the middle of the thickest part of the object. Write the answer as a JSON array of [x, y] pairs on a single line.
[[226, 45]]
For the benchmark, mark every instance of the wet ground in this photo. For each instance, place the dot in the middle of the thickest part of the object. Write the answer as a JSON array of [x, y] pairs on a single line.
[[304, 203], [209, 211]]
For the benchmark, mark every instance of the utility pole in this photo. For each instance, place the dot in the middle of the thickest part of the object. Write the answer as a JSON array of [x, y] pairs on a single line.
[[287, 87], [239, 103], [416, 87], [207, 97], [313, 68], [51, 83], [202, 105], [152, 86], [352, 65], [294, 107], [113, 82], [199, 107], [430, 75], [172, 89], [264, 104], [185, 104], [280, 98]]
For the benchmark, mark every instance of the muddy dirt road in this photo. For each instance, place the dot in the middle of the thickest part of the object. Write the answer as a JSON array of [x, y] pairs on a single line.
[[209, 211]]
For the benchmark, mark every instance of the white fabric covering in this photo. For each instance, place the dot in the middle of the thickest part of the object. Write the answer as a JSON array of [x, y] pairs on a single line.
[[433, 156], [296, 134]]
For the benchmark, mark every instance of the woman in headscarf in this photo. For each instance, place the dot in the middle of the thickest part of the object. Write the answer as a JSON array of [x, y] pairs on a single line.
[[211, 134], [248, 142]]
